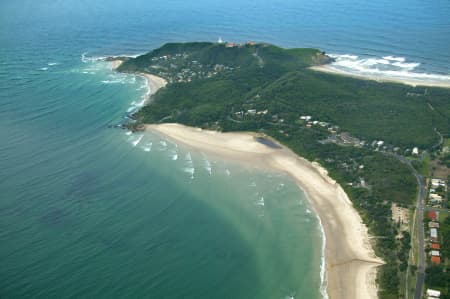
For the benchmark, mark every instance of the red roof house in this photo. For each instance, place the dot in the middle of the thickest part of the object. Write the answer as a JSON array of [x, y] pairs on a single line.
[[432, 215], [436, 260], [435, 246]]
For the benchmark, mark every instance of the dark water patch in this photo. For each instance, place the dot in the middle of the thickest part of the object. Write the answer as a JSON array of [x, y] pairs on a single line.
[[82, 187], [54, 217], [267, 142]]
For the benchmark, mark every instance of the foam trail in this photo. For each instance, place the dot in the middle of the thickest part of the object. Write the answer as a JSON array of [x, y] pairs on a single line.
[[136, 142], [173, 155], [147, 147], [207, 164], [190, 165], [260, 201]]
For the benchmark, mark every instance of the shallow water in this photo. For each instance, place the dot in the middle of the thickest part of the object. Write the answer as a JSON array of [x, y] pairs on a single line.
[[90, 211]]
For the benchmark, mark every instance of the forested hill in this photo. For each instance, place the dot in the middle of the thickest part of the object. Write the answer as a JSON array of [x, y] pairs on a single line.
[[209, 55], [219, 85]]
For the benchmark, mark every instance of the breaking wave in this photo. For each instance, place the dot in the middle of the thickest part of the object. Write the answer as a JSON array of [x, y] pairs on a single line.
[[384, 67]]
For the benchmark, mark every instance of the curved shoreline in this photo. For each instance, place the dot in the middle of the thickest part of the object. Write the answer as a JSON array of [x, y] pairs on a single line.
[[154, 83], [349, 258], [350, 262]]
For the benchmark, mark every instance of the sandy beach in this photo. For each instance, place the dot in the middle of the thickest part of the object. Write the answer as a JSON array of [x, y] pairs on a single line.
[[412, 82], [154, 83], [350, 260]]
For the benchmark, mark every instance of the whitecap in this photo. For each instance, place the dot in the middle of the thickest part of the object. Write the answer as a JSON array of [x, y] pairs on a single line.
[[398, 59], [388, 67], [190, 170], [52, 63], [43, 68], [136, 142], [147, 147], [409, 66], [260, 201], [128, 133]]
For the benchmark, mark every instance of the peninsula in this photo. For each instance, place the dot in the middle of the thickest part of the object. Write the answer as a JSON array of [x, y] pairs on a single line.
[[353, 128]]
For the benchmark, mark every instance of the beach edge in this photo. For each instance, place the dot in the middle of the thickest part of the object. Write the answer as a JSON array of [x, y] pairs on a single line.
[[351, 263]]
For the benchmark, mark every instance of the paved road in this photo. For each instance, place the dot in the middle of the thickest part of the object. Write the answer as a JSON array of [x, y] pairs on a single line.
[[421, 194]]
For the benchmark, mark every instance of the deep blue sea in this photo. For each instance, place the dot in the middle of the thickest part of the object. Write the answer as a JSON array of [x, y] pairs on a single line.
[[87, 211]]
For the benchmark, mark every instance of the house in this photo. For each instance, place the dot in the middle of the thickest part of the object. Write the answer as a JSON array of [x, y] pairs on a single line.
[[435, 253], [415, 151], [380, 143], [306, 117], [433, 224], [432, 215], [433, 234], [436, 197], [433, 293], [435, 246], [436, 260]]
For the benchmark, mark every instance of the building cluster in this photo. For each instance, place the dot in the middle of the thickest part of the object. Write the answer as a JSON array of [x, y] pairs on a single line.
[[178, 68], [232, 44], [437, 192], [309, 123], [434, 245]]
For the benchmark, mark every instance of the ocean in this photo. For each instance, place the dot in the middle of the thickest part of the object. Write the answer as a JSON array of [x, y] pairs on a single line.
[[90, 211]]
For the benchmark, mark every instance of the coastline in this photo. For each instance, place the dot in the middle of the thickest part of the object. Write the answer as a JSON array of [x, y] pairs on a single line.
[[154, 83], [412, 82], [349, 258]]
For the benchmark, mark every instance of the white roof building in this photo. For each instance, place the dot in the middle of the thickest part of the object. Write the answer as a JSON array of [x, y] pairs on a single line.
[[433, 233], [433, 293], [435, 253], [415, 151]]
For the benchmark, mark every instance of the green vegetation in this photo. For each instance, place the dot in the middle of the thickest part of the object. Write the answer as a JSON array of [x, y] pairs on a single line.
[[264, 88]]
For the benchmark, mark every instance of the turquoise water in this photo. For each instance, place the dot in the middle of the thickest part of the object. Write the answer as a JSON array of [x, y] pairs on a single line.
[[87, 211]]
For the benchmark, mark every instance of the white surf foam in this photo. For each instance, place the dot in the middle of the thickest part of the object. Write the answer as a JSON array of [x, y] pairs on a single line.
[[147, 147], [386, 67], [399, 59], [207, 164], [136, 142], [260, 201]]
